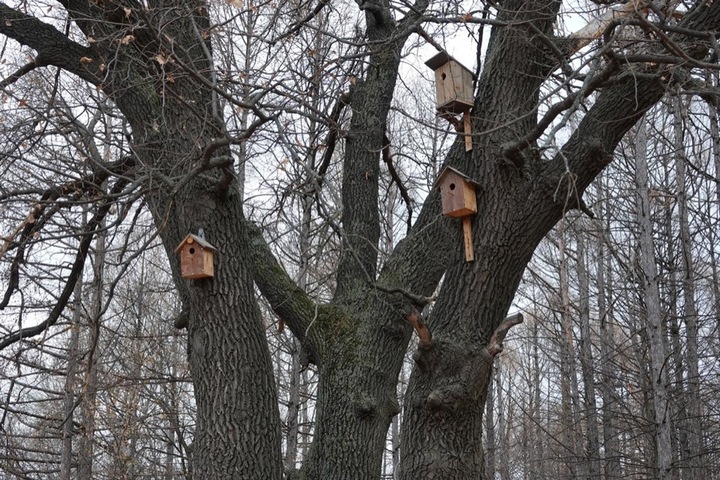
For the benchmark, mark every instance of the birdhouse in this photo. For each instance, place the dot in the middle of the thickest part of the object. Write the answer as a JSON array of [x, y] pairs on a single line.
[[457, 192], [196, 257], [453, 84]]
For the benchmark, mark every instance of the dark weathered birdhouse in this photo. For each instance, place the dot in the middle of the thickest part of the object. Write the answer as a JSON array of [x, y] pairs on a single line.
[[196, 257], [453, 84], [457, 192]]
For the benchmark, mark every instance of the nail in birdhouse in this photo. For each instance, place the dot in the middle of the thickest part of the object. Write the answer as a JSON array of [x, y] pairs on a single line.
[[196, 257], [453, 84], [454, 91], [457, 192]]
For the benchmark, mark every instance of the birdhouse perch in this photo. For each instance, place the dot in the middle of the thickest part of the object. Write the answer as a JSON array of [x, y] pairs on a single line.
[[196, 257], [454, 90], [457, 192]]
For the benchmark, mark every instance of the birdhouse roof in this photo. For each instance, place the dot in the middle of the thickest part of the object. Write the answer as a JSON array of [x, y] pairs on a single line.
[[195, 239], [448, 170], [441, 59]]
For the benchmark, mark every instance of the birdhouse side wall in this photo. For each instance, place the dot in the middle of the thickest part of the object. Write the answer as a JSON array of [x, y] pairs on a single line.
[[463, 84]]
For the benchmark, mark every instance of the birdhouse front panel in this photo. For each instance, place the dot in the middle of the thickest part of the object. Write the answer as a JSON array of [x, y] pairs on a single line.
[[196, 258], [453, 86], [457, 194]]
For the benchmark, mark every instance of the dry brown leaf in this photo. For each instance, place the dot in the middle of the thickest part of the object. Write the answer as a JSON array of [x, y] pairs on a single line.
[[86, 60]]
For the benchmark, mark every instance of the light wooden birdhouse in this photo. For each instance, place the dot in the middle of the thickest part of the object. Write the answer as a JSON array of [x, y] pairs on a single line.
[[457, 192], [454, 91], [453, 84], [196, 257]]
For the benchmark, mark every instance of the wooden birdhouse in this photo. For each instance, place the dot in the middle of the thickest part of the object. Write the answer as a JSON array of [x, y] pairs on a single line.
[[453, 84], [196, 257], [454, 91], [457, 192]]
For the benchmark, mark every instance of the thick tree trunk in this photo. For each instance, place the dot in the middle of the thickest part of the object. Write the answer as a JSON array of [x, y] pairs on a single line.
[[237, 434], [446, 394]]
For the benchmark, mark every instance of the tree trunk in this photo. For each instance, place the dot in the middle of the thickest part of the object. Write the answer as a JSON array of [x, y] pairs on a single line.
[[652, 312], [237, 433], [690, 315], [586, 359], [571, 427], [539, 454], [66, 458], [491, 441], [609, 378], [88, 404]]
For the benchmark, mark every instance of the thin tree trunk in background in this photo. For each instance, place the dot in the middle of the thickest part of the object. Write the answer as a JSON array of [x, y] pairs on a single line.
[[505, 425], [710, 206], [539, 453], [568, 372], [671, 330], [609, 377], [652, 311], [88, 403], [490, 440], [694, 446], [395, 436], [66, 460], [586, 359]]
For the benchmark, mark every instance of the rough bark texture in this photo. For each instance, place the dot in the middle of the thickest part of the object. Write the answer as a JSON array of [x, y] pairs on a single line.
[[172, 127], [358, 340], [520, 199]]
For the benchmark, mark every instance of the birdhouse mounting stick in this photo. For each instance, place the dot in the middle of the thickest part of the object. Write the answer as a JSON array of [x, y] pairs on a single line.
[[468, 131], [468, 239]]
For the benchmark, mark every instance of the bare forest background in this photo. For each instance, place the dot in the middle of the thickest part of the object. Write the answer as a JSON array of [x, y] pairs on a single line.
[[105, 389]]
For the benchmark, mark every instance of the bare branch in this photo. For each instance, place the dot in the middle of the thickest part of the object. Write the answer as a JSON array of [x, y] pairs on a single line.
[[52, 46], [495, 345]]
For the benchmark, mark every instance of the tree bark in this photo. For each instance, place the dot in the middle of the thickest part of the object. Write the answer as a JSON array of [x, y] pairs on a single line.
[[609, 379], [690, 315], [652, 312], [586, 359], [182, 158], [570, 399]]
